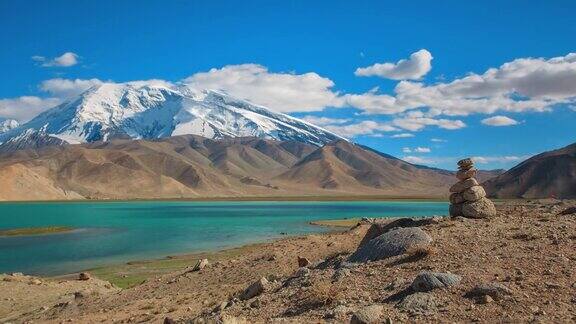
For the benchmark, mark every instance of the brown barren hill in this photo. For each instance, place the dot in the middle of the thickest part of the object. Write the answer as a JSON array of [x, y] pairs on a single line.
[[191, 166], [549, 174], [344, 166]]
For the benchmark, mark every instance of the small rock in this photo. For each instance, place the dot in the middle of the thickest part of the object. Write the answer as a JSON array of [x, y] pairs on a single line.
[[302, 272], [256, 303], [220, 307], [255, 289], [466, 174], [553, 285], [456, 198], [474, 193], [201, 264], [495, 290], [465, 163], [303, 262], [84, 276], [485, 299], [426, 281], [463, 185], [367, 315], [481, 208], [36, 282], [419, 304], [455, 210], [568, 211], [168, 320]]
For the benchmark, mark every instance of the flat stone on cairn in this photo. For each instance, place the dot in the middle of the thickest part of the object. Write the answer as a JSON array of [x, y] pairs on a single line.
[[467, 197]]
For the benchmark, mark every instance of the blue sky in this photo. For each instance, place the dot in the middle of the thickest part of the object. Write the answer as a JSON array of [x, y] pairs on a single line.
[[306, 54]]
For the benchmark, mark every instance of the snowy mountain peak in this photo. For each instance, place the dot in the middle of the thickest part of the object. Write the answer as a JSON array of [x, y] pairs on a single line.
[[147, 111]]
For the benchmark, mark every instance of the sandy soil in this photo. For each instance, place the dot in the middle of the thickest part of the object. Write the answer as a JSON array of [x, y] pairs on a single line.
[[528, 247]]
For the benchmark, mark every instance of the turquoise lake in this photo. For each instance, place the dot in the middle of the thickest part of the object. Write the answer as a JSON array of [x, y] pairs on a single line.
[[115, 232]]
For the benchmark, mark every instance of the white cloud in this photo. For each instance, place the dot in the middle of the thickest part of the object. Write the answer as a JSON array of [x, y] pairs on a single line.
[[324, 121], [498, 159], [66, 87], [26, 107], [417, 160], [414, 68], [499, 121], [284, 92], [416, 150], [65, 60], [402, 135], [422, 150], [417, 120], [525, 84], [366, 127], [438, 140]]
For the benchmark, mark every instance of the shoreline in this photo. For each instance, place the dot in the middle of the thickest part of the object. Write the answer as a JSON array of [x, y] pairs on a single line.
[[129, 274], [247, 199]]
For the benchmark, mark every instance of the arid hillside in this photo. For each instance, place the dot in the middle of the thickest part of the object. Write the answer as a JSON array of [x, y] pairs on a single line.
[[192, 166], [548, 175]]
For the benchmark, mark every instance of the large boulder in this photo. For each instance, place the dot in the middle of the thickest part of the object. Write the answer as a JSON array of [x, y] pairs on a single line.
[[463, 185], [474, 193], [426, 281], [392, 243], [378, 229], [481, 208]]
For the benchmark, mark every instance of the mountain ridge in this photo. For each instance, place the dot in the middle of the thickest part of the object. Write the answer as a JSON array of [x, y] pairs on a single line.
[[550, 174], [126, 110]]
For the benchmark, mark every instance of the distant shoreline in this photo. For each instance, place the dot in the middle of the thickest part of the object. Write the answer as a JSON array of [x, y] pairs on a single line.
[[248, 198]]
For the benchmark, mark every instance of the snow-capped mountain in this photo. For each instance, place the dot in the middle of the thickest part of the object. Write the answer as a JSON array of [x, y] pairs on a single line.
[[7, 124], [125, 110]]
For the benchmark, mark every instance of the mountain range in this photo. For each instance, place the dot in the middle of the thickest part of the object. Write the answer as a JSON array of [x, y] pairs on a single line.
[[190, 166], [148, 111]]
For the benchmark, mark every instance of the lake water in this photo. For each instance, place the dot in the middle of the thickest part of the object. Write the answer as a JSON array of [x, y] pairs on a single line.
[[114, 232]]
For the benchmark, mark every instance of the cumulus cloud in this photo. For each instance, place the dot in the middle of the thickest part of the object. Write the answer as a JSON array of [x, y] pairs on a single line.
[[413, 68], [499, 159], [366, 127], [26, 107], [417, 120], [499, 121], [67, 87], [284, 92], [416, 150], [324, 121], [65, 60], [526, 84], [418, 160], [402, 135]]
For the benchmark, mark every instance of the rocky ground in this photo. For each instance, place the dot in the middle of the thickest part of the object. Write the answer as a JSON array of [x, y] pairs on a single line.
[[518, 266]]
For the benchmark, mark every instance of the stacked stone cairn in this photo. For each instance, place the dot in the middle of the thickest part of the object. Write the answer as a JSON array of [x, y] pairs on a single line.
[[468, 197]]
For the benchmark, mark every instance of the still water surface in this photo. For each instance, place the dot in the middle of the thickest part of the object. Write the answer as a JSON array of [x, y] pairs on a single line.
[[114, 232]]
